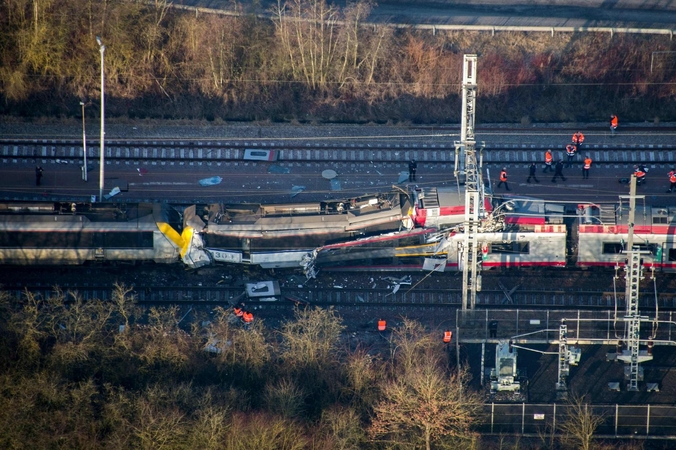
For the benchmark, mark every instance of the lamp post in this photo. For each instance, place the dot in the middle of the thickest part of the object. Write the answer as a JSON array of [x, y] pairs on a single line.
[[84, 144], [102, 49]]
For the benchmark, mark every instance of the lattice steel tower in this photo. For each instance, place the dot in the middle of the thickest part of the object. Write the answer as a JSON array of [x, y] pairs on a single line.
[[471, 266], [632, 318]]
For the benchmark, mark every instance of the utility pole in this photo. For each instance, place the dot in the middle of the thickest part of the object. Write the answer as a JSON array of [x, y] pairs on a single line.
[[632, 318], [471, 279], [102, 162], [84, 143]]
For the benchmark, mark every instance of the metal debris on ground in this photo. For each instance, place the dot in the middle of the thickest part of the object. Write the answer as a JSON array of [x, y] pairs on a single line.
[[112, 193], [406, 279]]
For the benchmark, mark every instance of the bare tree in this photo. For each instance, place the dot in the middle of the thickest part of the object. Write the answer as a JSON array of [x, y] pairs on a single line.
[[312, 338], [264, 432], [309, 35], [424, 406], [421, 402], [283, 397], [580, 424]]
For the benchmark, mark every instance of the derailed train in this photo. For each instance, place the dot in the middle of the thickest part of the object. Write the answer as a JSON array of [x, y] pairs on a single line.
[[399, 230]]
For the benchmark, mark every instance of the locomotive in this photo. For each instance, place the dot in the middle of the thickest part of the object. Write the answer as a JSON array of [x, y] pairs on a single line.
[[420, 229]]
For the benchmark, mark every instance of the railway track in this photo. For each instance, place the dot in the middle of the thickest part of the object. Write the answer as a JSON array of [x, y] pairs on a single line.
[[349, 297], [209, 151]]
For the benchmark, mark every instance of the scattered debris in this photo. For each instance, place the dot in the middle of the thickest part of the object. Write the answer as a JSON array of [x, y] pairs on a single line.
[[278, 169], [142, 171], [295, 190], [329, 174], [335, 185], [403, 177], [213, 181], [112, 193], [406, 279]]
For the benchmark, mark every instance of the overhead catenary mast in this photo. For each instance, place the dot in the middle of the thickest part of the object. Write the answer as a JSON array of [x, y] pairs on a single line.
[[632, 318], [471, 279]]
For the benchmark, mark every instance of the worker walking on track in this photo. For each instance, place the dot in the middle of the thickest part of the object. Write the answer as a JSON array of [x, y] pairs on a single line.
[[586, 167], [578, 139], [559, 171], [503, 178], [531, 173], [38, 175], [571, 151], [412, 169], [613, 125], [672, 180], [548, 161]]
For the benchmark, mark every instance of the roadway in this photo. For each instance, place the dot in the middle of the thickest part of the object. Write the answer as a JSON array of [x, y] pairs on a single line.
[[645, 14]]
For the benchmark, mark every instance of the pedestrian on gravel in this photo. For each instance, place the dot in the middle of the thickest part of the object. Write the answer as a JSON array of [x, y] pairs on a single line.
[[531, 173], [548, 161], [559, 171], [503, 178], [613, 125], [672, 180], [586, 167], [412, 168], [38, 175]]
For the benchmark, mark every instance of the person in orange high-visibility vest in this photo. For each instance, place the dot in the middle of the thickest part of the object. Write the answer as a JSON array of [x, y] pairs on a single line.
[[571, 151], [238, 312], [672, 180], [448, 336], [503, 178], [578, 139], [640, 171], [247, 317], [613, 124], [548, 161], [586, 167], [382, 325]]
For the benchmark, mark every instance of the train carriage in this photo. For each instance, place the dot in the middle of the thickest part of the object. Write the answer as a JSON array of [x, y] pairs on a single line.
[[280, 235], [76, 233], [602, 234]]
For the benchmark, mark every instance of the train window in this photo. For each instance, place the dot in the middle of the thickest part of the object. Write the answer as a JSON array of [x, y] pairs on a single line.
[[657, 220], [612, 248], [510, 247], [615, 248], [672, 254], [117, 239]]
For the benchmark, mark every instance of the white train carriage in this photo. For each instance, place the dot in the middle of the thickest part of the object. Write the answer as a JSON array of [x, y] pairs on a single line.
[[543, 246], [602, 235], [281, 235], [75, 233]]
